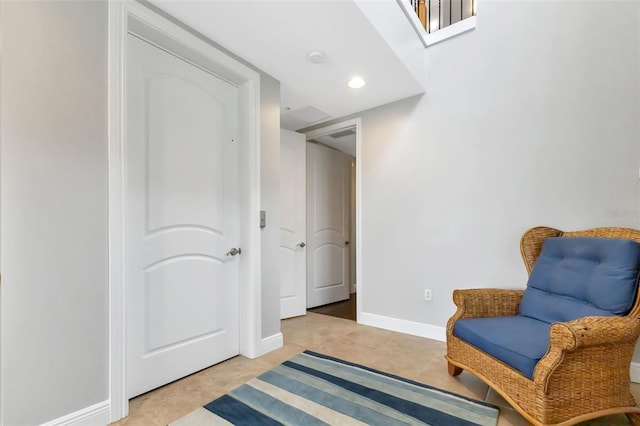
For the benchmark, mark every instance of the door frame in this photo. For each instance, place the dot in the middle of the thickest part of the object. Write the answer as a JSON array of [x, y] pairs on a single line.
[[130, 16], [355, 123]]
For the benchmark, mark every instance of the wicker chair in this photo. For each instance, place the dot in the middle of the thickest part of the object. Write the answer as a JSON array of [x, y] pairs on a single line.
[[585, 372]]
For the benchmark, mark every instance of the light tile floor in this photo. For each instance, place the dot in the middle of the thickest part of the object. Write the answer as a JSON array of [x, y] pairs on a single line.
[[408, 356]]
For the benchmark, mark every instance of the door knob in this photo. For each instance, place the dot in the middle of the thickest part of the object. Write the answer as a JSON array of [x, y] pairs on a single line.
[[301, 245], [234, 251], [346, 243]]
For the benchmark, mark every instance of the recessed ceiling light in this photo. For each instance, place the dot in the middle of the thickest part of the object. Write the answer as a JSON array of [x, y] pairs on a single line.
[[316, 57], [356, 82]]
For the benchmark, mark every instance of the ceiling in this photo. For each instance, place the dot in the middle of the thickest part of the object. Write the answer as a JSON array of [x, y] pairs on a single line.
[[372, 39]]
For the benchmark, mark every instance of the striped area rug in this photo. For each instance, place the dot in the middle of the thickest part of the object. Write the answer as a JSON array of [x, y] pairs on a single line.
[[315, 389]]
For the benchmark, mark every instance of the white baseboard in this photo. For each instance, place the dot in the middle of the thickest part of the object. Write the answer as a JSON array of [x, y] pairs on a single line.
[[96, 414], [635, 372], [403, 326], [270, 343]]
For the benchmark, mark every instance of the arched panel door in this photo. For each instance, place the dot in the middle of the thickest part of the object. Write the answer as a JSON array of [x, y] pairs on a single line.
[[293, 252], [328, 203], [181, 287]]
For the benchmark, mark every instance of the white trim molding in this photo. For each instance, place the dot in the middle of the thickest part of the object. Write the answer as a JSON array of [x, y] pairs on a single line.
[[452, 30], [131, 16], [96, 414], [116, 40], [403, 326], [271, 343]]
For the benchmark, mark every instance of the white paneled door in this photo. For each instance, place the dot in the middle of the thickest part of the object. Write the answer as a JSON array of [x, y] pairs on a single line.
[[328, 194], [293, 252], [181, 260]]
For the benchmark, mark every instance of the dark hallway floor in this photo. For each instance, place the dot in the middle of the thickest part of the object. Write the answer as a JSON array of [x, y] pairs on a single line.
[[345, 309]]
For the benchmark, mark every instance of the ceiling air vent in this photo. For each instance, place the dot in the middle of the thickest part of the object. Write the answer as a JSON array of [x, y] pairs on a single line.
[[343, 133]]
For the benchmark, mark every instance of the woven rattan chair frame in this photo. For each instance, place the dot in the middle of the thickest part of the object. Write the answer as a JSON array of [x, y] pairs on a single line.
[[585, 372]]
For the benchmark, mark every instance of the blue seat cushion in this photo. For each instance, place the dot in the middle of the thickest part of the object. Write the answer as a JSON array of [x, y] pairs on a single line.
[[578, 277], [517, 341]]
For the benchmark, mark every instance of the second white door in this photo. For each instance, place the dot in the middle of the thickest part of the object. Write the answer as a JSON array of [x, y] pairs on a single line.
[[293, 252], [328, 203], [181, 209]]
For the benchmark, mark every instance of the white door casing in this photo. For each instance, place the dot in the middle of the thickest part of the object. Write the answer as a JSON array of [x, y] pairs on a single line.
[[356, 124], [328, 194], [293, 252], [181, 212], [352, 230]]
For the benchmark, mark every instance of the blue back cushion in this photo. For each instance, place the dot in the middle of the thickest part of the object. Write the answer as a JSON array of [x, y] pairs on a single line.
[[578, 277]]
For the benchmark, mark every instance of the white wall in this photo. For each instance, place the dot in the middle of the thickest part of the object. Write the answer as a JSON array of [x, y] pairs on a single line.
[[53, 143], [530, 119], [54, 208]]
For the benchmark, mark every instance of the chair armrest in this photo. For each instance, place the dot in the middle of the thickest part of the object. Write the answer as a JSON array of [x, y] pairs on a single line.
[[591, 331], [484, 302], [590, 334]]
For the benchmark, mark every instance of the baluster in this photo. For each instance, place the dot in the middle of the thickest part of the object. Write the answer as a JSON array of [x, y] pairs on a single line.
[[422, 13]]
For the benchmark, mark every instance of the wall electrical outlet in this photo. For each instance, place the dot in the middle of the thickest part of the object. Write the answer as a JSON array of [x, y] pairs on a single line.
[[427, 294]]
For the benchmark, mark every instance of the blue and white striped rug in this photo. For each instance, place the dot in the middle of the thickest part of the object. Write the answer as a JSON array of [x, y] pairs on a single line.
[[315, 389]]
